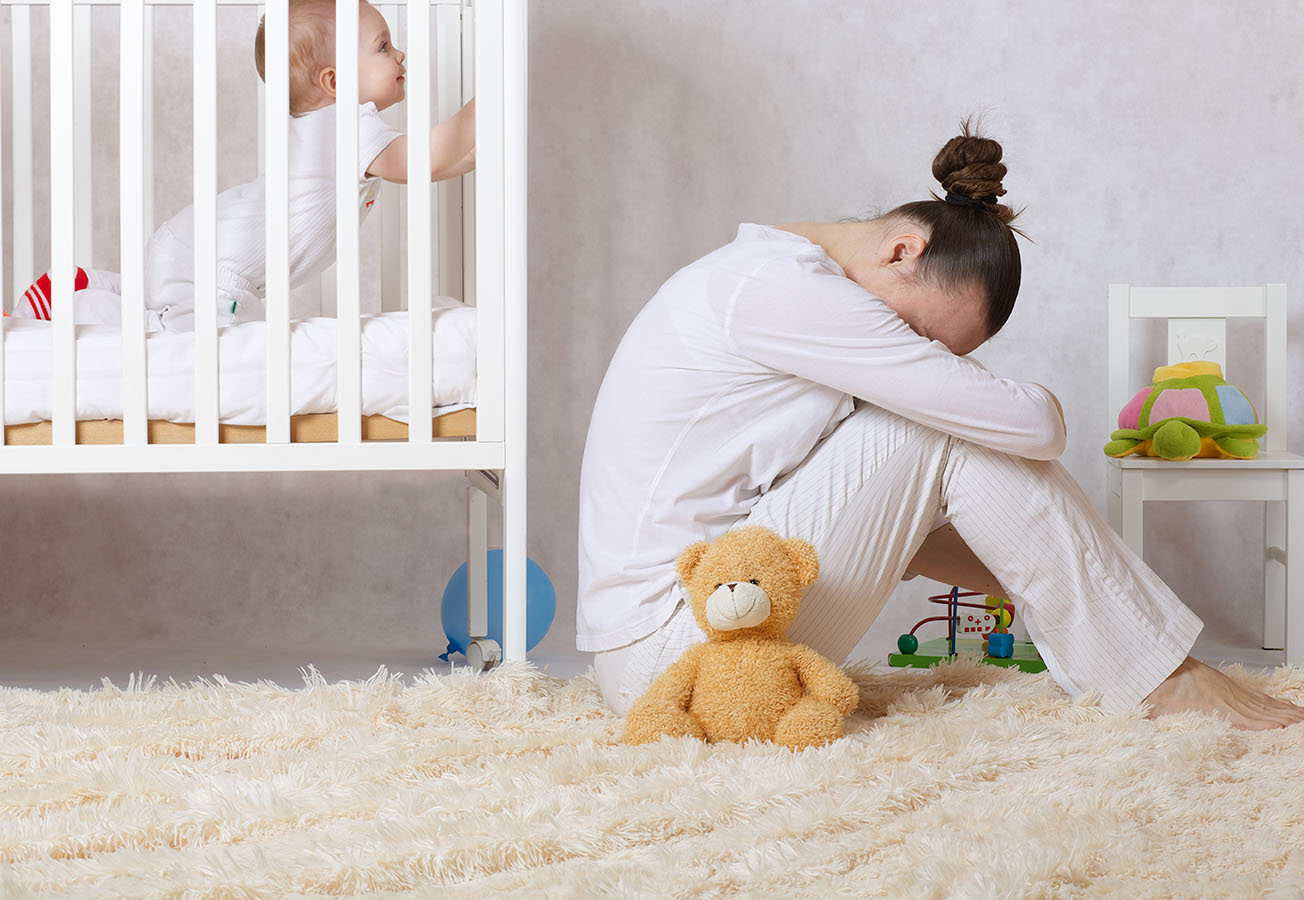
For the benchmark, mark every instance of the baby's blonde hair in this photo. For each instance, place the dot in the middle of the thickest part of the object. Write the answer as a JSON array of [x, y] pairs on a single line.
[[312, 48]]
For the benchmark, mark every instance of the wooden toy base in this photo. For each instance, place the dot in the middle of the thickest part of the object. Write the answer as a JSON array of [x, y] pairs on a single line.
[[930, 653]]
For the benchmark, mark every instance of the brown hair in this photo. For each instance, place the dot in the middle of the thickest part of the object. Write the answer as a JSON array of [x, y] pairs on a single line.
[[312, 48], [971, 238]]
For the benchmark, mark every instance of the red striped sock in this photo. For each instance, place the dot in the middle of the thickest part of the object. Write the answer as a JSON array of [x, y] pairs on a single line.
[[37, 297]]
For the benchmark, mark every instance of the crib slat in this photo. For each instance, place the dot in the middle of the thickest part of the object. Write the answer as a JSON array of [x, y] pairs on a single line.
[[4, 287], [131, 150], [23, 137], [393, 203], [63, 249], [4, 292], [489, 218], [204, 111], [418, 223], [85, 193], [468, 183], [148, 97], [349, 367], [277, 108], [515, 316], [448, 85], [390, 207], [262, 128]]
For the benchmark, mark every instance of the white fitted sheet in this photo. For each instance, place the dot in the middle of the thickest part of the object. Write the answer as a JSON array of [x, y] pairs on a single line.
[[314, 346]]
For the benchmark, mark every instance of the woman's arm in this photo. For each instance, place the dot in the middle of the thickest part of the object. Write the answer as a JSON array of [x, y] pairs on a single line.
[[452, 150], [1059, 408], [798, 315]]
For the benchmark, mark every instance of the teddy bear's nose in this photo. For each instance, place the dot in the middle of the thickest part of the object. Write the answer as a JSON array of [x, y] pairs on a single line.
[[745, 604]]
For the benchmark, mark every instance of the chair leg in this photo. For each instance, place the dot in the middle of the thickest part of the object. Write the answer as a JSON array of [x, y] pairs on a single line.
[[1130, 511], [1295, 567], [1113, 508], [1274, 575]]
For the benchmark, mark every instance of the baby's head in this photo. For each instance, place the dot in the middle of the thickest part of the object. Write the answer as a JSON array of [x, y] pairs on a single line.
[[312, 57]]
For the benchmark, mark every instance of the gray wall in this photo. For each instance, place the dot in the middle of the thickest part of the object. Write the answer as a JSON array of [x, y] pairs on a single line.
[[1152, 143]]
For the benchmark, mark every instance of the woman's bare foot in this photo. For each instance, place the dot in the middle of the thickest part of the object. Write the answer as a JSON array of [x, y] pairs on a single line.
[[1195, 687]]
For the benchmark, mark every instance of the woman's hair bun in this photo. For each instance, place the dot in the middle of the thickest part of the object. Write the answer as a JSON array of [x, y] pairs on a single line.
[[970, 166]]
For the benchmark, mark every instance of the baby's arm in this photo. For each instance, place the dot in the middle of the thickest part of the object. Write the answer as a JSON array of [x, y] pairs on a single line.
[[452, 150], [466, 164]]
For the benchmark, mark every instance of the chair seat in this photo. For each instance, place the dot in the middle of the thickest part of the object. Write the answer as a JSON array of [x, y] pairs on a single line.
[[1278, 459]]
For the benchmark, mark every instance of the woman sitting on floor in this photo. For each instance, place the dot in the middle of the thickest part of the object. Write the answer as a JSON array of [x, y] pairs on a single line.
[[813, 378]]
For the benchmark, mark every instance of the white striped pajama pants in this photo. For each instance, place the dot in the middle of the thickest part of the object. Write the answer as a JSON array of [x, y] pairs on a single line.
[[868, 495]]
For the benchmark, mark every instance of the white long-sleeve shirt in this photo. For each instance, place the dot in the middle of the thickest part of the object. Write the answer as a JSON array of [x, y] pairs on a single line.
[[724, 382]]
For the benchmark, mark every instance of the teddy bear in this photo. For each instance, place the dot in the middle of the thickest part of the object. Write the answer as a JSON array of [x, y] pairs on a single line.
[[746, 680]]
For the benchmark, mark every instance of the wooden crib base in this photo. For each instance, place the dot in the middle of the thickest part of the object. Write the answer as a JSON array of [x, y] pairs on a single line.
[[309, 429]]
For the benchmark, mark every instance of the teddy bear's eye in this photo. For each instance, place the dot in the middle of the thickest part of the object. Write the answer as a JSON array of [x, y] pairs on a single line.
[[755, 582], [718, 586]]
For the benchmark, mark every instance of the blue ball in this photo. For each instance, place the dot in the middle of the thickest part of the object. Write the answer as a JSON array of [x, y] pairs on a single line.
[[540, 605]]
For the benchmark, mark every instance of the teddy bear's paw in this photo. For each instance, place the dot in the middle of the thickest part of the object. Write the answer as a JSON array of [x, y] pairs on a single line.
[[649, 725], [845, 697], [811, 723]]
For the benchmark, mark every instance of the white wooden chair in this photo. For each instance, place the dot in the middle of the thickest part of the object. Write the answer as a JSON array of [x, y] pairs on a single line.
[[1197, 329]]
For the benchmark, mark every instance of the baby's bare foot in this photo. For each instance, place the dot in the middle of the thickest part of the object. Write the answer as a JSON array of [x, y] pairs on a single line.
[[1195, 687]]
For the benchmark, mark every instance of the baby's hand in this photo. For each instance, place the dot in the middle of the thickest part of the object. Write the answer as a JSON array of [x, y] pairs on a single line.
[[452, 143]]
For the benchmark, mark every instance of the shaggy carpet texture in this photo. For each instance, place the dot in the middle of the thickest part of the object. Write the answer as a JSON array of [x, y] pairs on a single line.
[[962, 782]]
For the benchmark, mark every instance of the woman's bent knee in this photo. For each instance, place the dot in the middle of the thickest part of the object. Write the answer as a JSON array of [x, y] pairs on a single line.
[[609, 667]]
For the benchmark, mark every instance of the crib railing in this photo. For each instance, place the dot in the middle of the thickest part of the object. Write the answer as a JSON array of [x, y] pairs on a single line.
[[482, 243]]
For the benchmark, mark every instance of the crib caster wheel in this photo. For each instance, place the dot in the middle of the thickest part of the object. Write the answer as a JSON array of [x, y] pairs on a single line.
[[483, 654]]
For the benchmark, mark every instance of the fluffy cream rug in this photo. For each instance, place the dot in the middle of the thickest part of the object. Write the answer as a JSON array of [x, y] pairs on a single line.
[[963, 782]]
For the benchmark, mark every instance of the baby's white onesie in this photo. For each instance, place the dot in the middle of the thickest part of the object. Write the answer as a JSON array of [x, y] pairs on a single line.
[[241, 248]]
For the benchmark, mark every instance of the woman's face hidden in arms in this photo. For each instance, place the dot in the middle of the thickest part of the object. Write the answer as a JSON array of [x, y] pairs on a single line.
[[887, 266], [380, 64]]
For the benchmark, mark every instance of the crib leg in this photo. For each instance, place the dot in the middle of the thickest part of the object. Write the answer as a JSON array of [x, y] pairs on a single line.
[[482, 652], [514, 566]]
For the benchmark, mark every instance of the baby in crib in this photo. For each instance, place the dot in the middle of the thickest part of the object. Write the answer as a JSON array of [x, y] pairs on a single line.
[[241, 253]]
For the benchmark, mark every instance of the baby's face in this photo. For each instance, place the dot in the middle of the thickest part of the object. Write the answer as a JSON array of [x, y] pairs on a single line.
[[380, 65]]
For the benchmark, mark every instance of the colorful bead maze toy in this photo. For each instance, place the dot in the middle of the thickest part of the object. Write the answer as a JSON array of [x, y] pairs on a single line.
[[983, 635]]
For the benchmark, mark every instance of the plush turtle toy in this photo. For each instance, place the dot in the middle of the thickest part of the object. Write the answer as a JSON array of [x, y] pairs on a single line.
[[1189, 411]]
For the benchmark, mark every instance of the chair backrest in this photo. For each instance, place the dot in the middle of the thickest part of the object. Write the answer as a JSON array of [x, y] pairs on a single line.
[[1197, 329]]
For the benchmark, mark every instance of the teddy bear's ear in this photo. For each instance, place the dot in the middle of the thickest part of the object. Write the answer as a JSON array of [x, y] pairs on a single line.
[[689, 559], [804, 558]]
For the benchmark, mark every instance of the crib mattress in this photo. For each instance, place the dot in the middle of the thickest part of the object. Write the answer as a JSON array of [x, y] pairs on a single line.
[[307, 429], [243, 379]]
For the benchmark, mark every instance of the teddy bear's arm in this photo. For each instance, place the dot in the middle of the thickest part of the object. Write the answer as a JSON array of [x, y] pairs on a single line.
[[824, 681], [673, 688], [664, 708]]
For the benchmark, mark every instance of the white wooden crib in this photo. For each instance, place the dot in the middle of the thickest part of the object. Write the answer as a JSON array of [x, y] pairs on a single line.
[[474, 227]]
